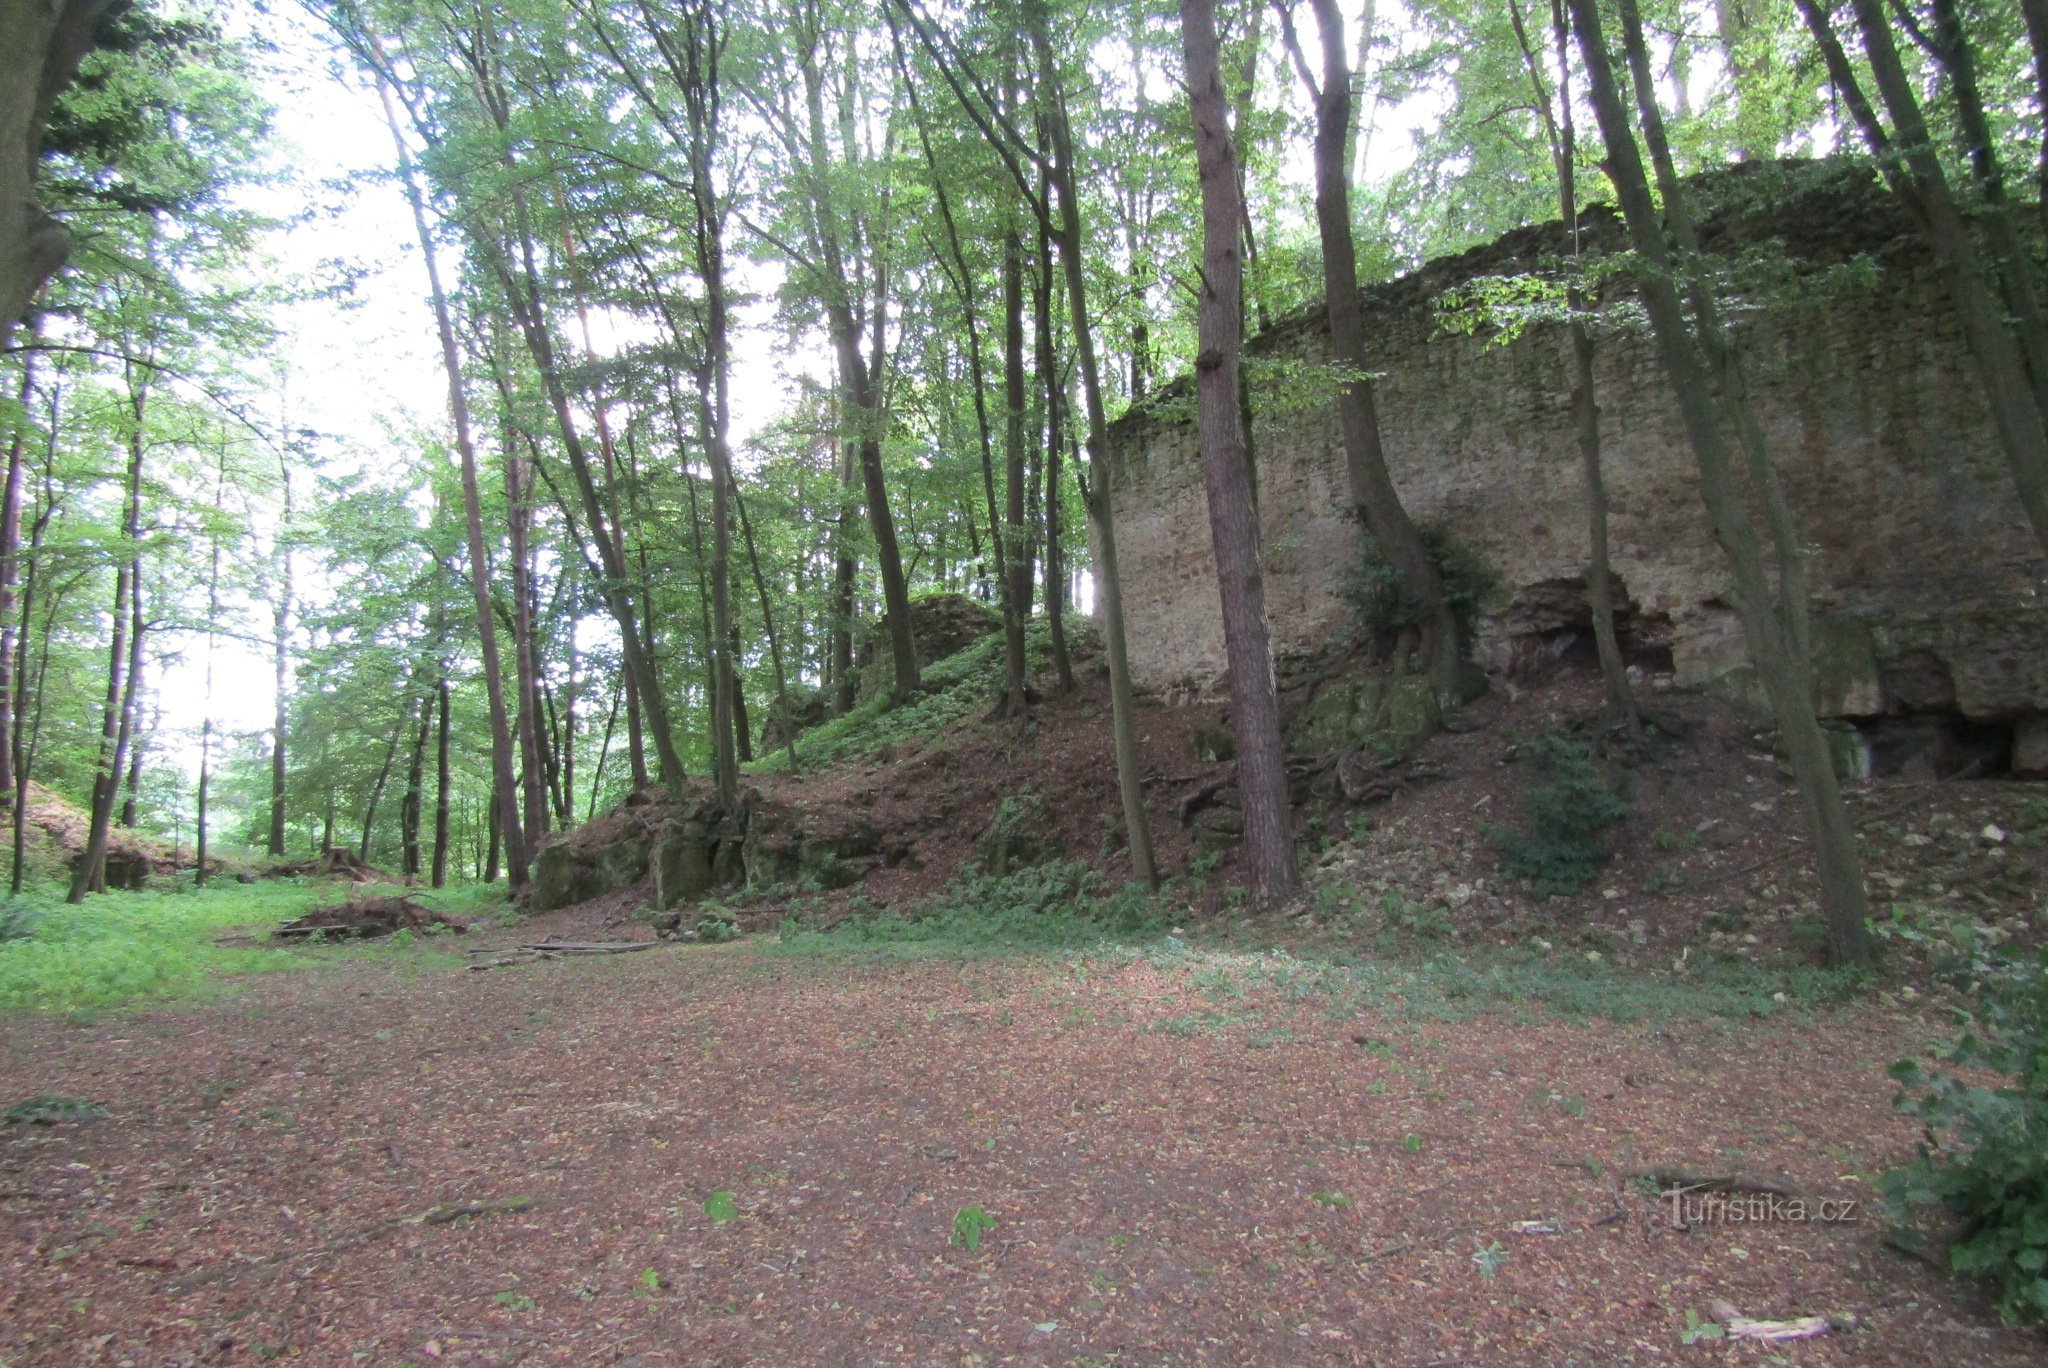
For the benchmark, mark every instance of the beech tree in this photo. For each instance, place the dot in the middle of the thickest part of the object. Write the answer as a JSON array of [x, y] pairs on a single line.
[[1226, 476], [1684, 346]]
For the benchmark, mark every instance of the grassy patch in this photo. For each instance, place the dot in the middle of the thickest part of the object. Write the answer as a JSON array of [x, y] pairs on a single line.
[[1448, 986], [119, 947], [957, 688], [1062, 905]]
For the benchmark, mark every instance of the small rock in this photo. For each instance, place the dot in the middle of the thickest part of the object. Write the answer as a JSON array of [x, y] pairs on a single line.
[[1993, 833]]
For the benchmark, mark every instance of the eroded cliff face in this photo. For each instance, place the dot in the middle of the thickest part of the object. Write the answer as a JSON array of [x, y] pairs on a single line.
[[1926, 582]]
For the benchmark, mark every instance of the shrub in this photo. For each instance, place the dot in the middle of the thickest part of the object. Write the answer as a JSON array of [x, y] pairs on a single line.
[[1386, 604], [1985, 1156], [1562, 843]]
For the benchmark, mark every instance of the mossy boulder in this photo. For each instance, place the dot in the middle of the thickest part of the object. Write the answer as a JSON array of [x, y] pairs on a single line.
[[1018, 834]]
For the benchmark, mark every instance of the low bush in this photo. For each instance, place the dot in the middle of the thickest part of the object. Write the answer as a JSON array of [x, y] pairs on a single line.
[[1385, 603], [1566, 816], [1984, 1159]]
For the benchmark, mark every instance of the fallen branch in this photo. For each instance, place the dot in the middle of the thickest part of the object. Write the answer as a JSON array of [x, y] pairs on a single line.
[[440, 1214], [1418, 1242], [1670, 1180], [591, 947]]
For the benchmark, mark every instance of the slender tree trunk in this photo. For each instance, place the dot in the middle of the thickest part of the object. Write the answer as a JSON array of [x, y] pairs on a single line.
[[499, 811], [1233, 520], [1723, 362], [1055, 445], [1100, 493], [131, 720], [1562, 136], [89, 875], [411, 809], [604, 751], [525, 659], [10, 570], [1013, 565], [844, 570], [377, 786], [1008, 548], [861, 385], [1372, 487], [1771, 643], [280, 664], [441, 781], [505, 784], [768, 626]]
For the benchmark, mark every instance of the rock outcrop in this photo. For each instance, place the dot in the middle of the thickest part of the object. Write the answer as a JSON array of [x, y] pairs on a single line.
[[689, 848]]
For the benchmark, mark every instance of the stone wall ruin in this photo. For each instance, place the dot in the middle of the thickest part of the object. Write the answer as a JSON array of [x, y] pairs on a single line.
[[1925, 577]]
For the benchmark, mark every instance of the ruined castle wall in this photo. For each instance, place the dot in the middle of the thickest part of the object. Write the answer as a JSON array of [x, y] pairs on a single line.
[[1922, 567]]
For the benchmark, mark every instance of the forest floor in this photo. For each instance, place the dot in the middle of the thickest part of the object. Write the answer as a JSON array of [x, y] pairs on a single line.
[[738, 1155], [1424, 1119]]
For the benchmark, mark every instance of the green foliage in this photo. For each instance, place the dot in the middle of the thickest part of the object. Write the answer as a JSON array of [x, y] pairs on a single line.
[[1562, 843], [1056, 905], [119, 946], [1985, 1156], [717, 930], [720, 1207], [1489, 1258], [49, 1108], [955, 689], [514, 1301], [968, 1224], [18, 920], [1697, 1329], [1387, 605]]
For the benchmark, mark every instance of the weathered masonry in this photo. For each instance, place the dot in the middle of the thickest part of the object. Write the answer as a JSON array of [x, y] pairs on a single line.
[[1927, 586]]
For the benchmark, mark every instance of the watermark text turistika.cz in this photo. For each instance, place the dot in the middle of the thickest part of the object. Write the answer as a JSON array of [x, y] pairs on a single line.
[[1697, 1206]]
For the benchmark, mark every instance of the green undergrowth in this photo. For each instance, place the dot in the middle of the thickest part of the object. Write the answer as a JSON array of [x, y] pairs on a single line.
[[1060, 905], [960, 687], [120, 948], [1444, 986], [1065, 908]]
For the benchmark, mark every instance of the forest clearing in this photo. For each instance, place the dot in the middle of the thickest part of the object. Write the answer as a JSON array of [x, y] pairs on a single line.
[[1070, 682]]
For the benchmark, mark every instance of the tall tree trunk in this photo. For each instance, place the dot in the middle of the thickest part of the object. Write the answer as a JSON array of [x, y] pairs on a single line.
[[1008, 548], [1716, 344], [1372, 487], [131, 721], [280, 664], [10, 570], [844, 570], [860, 383], [1055, 446], [441, 780], [383, 777], [768, 626], [89, 874], [1771, 644], [1233, 520], [505, 791], [1100, 492], [1013, 564], [525, 658], [700, 50], [1562, 136], [412, 807]]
